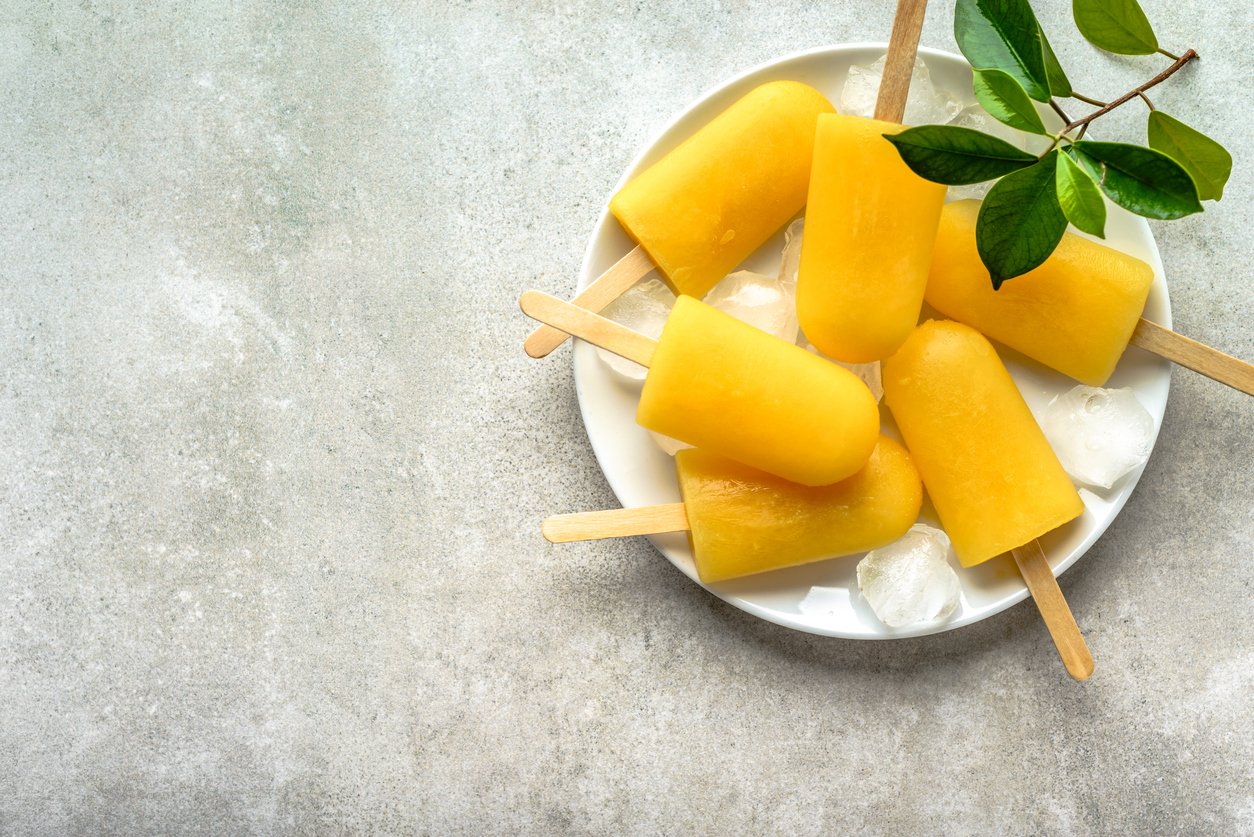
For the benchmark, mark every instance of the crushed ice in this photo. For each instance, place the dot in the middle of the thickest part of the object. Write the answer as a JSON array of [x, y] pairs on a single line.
[[1100, 435], [927, 104], [764, 302], [761, 301], [790, 260], [869, 373], [644, 307], [910, 581], [669, 446]]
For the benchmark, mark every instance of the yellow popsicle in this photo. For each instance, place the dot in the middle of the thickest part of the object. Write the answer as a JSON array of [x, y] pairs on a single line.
[[719, 195], [1075, 313], [744, 521], [721, 384], [991, 474], [867, 246]]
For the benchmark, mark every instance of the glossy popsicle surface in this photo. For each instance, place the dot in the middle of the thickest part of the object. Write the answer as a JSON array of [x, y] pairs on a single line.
[[867, 247], [718, 383], [991, 474], [744, 521], [719, 195], [1075, 313]]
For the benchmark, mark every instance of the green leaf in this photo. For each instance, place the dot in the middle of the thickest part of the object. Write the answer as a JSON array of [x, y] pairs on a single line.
[[1020, 222], [1059, 84], [1141, 180], [1206, 161], [955, 156], [1079, 197], [1005, 101], [1117, 26], [1003, 35]]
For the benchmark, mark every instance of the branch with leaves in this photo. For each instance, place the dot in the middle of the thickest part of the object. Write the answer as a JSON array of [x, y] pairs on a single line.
[[1027, 210]]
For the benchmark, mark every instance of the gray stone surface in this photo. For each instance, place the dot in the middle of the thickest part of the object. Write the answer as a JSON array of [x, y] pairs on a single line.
[[273, 462]]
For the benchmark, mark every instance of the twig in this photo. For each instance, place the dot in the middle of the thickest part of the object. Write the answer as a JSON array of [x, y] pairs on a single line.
[[1132, 94], [1058, 110], [1098, 102]]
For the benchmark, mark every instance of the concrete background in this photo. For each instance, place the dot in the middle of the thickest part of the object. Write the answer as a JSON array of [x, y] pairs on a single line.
[[273, 462]]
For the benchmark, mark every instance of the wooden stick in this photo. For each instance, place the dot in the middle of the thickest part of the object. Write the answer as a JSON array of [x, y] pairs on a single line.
[[1191, 354], [903, 44], [615, 523], [606, 288], [585, 325], [1054, 610]]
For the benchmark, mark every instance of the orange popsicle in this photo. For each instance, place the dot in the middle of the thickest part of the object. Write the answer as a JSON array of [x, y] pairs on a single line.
[[713, 200], [743, 521], [1075, 313], [718, 383], [870, 224], [991, 474]]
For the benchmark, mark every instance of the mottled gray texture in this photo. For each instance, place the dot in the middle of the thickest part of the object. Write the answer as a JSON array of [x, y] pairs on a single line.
[[274, 463]]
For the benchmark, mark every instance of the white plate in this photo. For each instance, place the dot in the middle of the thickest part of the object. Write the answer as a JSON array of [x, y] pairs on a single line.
[[640, 474]]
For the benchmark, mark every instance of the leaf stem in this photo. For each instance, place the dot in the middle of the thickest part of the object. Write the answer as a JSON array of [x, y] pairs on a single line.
[[1066, 120], [1098, 102], [1132, 94], [1148, 103], [1168, 54]]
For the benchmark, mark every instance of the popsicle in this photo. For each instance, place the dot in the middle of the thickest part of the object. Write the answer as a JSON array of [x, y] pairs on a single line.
[[720, 384], [995, 482], [700, 210], [1076, 313], [870, 222], [742, 521]]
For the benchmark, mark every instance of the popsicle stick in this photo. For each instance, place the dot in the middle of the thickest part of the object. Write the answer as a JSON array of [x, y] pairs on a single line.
[[1191, 354], [606, 288], [615, 523], [1054, 610], [581, 323], [903, 45]]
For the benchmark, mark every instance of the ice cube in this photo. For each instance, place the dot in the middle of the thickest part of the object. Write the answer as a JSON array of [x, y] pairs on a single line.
[[761, 301], [975, 191], [926, 105], [644, 307], [910, 581], [790, 259], [669, 446], [1100, 435], [977, 119], [868, 372], [825, 602]]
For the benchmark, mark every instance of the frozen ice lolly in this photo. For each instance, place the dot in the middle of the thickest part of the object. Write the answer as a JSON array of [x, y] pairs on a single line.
[[718, 383], [721, 384], [870, 220], [700, 210], [743, 521], [714, 199], [991, 474], [1075, 313], [867, 246]]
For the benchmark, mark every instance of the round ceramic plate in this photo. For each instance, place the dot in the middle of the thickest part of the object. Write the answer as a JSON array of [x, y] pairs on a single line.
[[823, 597]]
